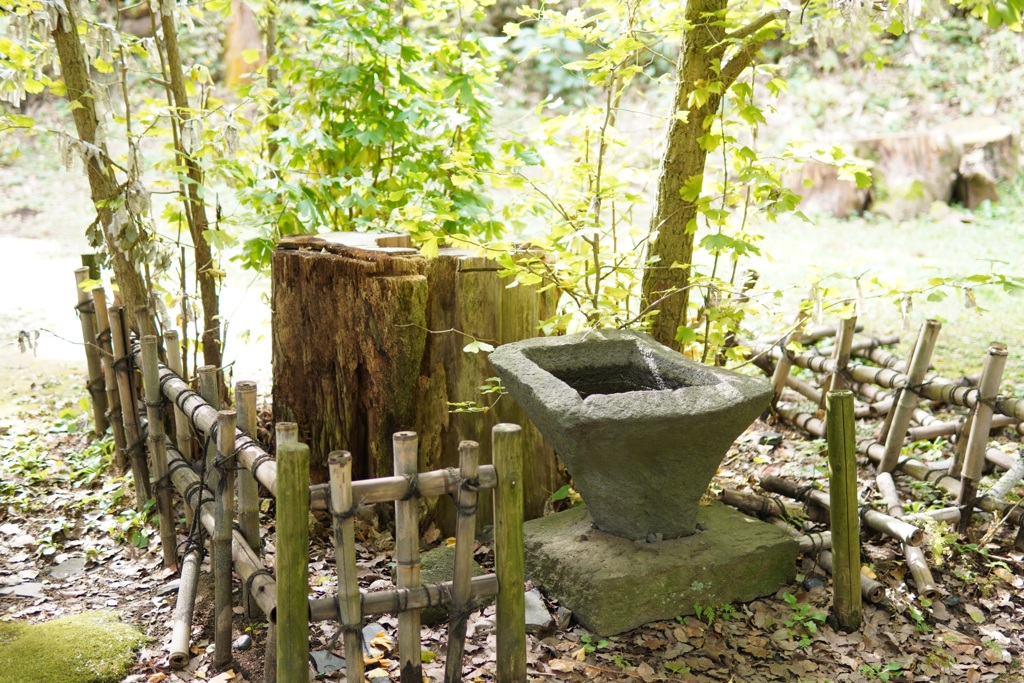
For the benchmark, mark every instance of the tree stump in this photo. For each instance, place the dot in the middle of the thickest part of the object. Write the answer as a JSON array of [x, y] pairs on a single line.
[[368, 340], [824, 192], [990, 151], [910, 171]]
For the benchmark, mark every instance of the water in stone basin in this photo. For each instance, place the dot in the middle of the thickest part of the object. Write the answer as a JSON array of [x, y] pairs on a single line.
[[615, 379]]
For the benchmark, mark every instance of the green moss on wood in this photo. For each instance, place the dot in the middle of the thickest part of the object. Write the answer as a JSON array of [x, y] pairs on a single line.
[[93, 647]]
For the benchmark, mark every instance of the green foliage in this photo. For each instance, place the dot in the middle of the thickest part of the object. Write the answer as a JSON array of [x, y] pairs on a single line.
[[803, 621], [378, 119], [882, 672], [710, 614], [590, 645]]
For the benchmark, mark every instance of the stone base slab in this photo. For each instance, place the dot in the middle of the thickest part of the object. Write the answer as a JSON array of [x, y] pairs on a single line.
[[614, 585]]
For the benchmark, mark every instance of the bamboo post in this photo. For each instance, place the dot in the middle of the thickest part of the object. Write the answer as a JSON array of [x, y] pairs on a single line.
[[224, 524], [977, 441], [96, 385], [126, 390], [784, 364], [465, 505], [114, 418], [845, 521], [508, 554], [210, 392], [157, 448], [293, 563], [909, 396], [407, 556], [181, 631], [956, 463], [349, 603], [284, 433], [248, 490], [916, 562], [182, 429], [841, 353]]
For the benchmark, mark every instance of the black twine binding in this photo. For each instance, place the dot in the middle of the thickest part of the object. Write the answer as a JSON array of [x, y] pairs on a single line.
[[413, 480]]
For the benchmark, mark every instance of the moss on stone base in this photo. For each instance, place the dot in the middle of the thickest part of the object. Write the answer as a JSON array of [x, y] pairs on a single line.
[[93, 647]]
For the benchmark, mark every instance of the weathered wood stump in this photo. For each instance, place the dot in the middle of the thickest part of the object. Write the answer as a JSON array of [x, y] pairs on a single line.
[[990, 151], [368, 340], [910, 172], [824, 192]]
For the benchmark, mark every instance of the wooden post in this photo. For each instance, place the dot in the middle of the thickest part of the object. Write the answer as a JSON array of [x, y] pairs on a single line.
[[99, 304], [224, 517], [157, 449], [182, 429], [248, 490], [407, 557], [285, 433], [977, 441], [841, 353], [181, 631], [916, 562], [210, 391], [349, 602], [508, 554], [909, 395], [293, 563], [462, 574], [96, 385], [136, 456], [842, 470]]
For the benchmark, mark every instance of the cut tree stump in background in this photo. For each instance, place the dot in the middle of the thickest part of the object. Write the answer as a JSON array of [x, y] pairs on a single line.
[[824, 192], [910, 172], [961, 161], [368, 340], [990, 156]]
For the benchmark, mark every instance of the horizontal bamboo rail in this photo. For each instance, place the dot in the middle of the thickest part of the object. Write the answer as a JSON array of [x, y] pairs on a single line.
[[933, 473], [420, 597], [870, 590], [387, 489], [881, 522]]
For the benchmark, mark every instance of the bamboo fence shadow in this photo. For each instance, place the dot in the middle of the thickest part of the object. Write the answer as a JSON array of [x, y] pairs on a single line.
[[227, 453]]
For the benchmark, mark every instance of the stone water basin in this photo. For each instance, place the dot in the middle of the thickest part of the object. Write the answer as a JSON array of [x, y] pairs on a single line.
[[641, 428]]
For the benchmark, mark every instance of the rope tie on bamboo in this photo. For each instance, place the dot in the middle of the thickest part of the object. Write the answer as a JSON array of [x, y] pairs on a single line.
[[413, 479], [85, 307], [344, 515], [124, 363], [344, 629], [262, 571], [96, 386], [470, 486], [104, 336], [943, 474], [773, 506]]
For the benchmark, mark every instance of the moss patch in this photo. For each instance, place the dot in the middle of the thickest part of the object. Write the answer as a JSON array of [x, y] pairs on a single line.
[[93, 647]]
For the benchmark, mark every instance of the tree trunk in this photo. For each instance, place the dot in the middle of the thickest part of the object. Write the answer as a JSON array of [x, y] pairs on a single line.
[[704, 77], [102, 183], [665, 288], [195, 206], [368, 341]]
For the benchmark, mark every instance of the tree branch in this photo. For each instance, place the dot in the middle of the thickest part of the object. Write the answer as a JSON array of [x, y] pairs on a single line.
[[750, 45]]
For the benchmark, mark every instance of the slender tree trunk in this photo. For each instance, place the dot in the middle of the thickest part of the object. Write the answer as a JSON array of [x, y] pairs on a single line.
[[665, 288], [102, 183], [705, 74], [195, 204]]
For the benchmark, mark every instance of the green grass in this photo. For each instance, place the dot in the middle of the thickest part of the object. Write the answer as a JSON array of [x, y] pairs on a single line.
[[890, 258]]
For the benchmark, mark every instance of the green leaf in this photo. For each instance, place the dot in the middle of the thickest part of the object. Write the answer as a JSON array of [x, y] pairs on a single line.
[[102, 65], [250, 56], [561, 494], [511, 29], [477, 346], [685, 335]]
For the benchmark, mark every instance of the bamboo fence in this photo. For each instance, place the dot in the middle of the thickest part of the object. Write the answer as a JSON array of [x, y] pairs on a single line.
[[229, 462], [900, 392]]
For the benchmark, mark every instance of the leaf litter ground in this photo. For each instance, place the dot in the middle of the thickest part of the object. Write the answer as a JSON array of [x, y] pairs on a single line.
[[70, 541]]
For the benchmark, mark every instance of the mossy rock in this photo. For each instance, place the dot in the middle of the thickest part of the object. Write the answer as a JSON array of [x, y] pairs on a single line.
[[93, 647], [438, 566]]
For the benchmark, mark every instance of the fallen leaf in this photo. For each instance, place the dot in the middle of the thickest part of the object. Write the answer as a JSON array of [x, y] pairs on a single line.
[[645, 672], [561, 665], [224, 677]]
